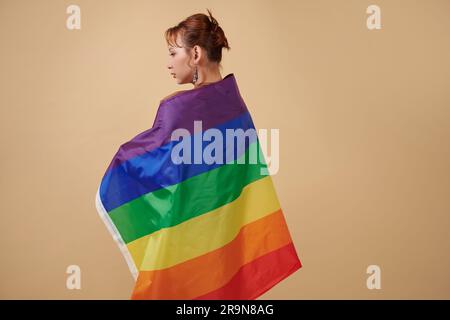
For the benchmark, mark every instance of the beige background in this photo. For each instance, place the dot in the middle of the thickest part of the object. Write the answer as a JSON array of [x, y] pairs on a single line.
[[364, 119]]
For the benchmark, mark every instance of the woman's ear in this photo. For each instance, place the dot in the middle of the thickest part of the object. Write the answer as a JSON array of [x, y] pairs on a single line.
[[197, 52]]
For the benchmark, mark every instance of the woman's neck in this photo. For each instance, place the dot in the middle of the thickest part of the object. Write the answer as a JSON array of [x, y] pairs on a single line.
[[207, 77]]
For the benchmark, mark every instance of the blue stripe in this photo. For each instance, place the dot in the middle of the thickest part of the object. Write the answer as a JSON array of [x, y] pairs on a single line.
[[155, 170]]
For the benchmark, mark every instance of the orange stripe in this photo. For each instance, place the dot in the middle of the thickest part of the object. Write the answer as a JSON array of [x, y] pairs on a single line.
[[258, 276], [212, 270]]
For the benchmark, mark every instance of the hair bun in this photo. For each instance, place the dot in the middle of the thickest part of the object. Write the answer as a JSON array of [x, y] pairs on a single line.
[[213, 22], [215, 27]]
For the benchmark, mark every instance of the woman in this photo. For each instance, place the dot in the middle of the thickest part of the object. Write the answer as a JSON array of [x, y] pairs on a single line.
[[189, 201], [195, 50]]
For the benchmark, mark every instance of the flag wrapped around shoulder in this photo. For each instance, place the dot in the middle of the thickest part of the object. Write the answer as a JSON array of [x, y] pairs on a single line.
[[195, 216]]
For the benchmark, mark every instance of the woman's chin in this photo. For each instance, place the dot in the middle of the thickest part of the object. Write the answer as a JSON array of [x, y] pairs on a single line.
[[180, 81]]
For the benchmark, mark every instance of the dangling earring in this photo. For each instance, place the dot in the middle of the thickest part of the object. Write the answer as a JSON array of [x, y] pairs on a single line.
[[194, 80]]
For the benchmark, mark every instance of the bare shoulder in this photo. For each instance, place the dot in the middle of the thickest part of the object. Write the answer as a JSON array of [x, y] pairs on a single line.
[[173, 94]]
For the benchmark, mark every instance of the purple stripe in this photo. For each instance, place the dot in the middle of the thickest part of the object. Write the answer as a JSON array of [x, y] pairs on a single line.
[[213, 104]]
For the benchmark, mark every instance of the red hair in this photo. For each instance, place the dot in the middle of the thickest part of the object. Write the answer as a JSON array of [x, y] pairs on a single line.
[[202, 30]]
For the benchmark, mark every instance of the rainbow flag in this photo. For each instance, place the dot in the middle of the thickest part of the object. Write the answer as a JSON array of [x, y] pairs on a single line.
[[192, 228]]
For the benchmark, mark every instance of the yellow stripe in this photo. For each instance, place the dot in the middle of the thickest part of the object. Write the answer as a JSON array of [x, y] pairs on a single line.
[[210, 231]]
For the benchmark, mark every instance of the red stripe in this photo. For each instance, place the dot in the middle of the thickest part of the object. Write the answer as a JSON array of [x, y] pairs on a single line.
[[258, 276]]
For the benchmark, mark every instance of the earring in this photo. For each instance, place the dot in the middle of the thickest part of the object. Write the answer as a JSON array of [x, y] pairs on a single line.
[[194, 80]]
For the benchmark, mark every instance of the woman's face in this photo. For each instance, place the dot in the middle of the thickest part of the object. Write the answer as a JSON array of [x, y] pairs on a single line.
[[180, 63]]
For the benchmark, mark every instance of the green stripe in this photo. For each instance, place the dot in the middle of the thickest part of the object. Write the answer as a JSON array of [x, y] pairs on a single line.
[[192, 197]]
